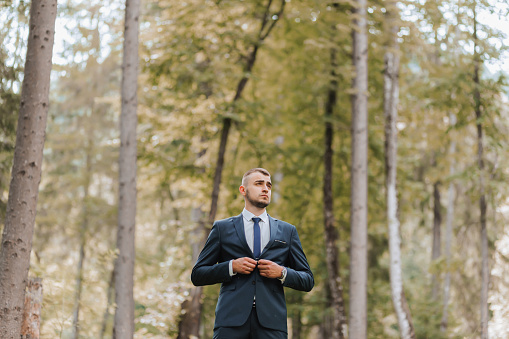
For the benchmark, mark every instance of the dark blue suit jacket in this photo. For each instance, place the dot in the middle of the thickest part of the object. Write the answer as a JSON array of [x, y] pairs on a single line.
[[227, 241]]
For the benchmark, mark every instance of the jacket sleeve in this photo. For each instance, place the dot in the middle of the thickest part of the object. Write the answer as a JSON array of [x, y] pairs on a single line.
[[207, 270], [299, 275]]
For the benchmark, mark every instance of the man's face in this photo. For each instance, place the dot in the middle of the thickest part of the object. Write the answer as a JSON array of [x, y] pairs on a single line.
[[257, 190]]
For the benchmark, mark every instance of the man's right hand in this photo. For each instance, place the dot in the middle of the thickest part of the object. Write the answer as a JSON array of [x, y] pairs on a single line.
[[244, 265]]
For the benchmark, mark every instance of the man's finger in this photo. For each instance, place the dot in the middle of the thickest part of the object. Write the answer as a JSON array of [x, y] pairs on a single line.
[[250, 260]]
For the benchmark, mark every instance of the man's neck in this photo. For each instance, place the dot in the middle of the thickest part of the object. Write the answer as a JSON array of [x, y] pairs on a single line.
[[255, 210]]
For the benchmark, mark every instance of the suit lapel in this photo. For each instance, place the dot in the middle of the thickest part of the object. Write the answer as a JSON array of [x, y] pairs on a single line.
[[238, 222], [274, 226]]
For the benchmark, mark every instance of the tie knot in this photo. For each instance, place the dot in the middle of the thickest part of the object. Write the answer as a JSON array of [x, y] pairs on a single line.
[[256, 220]]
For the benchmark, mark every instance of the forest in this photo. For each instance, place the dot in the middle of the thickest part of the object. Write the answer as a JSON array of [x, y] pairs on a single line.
[[126, 127]]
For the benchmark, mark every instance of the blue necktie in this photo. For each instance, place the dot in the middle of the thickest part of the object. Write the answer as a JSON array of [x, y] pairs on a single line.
[[256, 239]]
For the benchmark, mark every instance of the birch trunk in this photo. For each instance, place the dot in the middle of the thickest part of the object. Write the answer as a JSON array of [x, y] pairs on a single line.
[[448, 233], [26, 170], [331, 234], [391, 100], [482, 198], [124, 271], [189, 324], [359, 179]]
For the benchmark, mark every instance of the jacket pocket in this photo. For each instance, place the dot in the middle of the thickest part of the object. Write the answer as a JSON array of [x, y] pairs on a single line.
[[279, 243]]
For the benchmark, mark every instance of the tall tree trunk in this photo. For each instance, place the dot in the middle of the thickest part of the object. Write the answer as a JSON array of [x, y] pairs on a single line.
[[297, 318], [189, 324], [485, 272], [30, 328], [437, 238], [359, 180], [448, 233], [331, 234], [124, 271], [79, 288], [391, 100], [83, 232], [26, 169], [110, 297]]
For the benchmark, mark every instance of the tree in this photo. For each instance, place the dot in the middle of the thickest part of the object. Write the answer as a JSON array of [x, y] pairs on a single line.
[[331, 234], [26, 170], [485, 269], [359, 179], [189, 323], [30, 328], [391, 101], [448, 233], [124, 265], [437, 239], [83, 239], [14, 15]]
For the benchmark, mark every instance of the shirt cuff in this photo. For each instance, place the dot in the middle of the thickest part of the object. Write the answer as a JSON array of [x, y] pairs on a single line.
[[230, 268]]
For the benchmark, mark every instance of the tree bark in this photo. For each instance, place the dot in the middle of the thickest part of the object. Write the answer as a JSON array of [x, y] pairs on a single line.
[[124, 271], [331, 234], [485, 272], [448, 233], [437, 238], [30, 328], [391, 100], [26, 170], [189, 324], [359, 179]]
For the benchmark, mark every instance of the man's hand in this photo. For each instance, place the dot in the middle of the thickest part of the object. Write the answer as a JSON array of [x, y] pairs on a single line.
[[243, 265], [269, 269]]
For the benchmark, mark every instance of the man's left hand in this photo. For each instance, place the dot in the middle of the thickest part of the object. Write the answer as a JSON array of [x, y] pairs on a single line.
[[269, 269]]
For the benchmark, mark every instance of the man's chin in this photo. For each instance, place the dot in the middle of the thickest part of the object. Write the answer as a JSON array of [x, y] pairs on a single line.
[[262, 204]]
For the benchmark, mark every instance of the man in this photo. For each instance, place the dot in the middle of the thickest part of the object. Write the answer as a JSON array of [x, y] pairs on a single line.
[[253, 255]]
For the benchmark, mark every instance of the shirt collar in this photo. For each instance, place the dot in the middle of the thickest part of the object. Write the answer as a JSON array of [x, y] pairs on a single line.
[[248, 216]]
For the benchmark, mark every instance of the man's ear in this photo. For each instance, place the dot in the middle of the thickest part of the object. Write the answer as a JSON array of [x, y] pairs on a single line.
[[242, 190]]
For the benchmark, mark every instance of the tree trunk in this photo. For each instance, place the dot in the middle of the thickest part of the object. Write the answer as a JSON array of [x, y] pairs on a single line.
[[437, 238], [448, 233], [189, 324], [485, 272], [124, 271], [110, 295], [359, 179], [83, 232], [26, 169], [391, 100], [297, 320], [79, 284], [30, 328], [331, 234]]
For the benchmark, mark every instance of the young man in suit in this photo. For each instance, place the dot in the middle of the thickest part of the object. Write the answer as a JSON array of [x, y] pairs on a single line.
[[253, 256]]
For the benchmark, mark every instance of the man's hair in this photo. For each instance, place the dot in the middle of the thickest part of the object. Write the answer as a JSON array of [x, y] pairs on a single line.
[[253, 170]]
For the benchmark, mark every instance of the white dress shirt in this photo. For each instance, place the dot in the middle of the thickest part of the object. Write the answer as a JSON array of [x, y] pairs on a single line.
[[264, 228], [247, 218], [249, 233]]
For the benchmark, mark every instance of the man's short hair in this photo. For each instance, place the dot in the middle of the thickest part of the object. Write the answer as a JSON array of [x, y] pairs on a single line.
[[253, 170]]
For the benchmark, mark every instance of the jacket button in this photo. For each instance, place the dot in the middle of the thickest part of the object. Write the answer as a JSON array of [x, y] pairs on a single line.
[[254, 282]]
